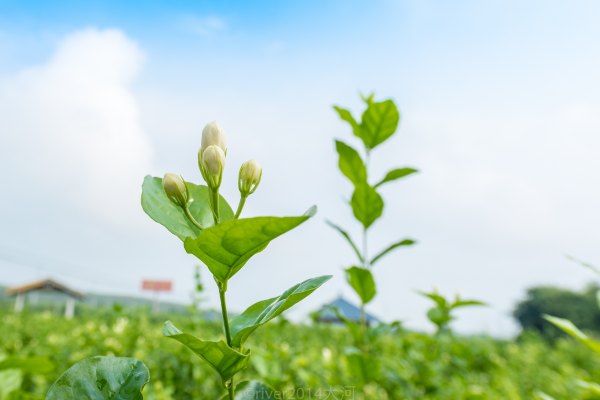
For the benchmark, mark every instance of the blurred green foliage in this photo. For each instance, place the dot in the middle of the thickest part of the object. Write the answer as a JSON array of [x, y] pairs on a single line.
[[301, 360], [581, 308]]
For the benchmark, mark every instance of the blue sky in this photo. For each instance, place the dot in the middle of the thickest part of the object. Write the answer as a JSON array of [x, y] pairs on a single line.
[[500, 106]]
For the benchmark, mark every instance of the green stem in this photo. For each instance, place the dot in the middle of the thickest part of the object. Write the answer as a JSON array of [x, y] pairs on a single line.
[[214, 202], [240, 206], [222, 290], [186, 209]]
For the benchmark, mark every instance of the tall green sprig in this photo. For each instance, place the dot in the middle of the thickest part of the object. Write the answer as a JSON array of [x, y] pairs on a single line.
[[378, 123], [203, 220]]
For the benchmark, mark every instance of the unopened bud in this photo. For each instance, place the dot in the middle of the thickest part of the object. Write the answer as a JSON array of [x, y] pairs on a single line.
[[249, 177], [213, 135], [212, 163], [175, 188]]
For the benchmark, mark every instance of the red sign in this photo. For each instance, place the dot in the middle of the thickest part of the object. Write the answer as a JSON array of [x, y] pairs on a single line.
[[157, 286]]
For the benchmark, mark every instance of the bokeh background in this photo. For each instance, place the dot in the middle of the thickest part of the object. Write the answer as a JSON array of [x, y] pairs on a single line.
[[500, 106]]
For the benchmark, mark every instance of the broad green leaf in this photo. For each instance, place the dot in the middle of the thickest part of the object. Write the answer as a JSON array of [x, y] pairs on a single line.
[[362, 282], [225, 360], [264, 311], [396, 173], [346, 235], [252, 390], [568, 327], [379, 122], [403, 242], [346, 115], [367, 204], [225, 248], [36, 365], [162, 210], [350, 163], [102, 378]]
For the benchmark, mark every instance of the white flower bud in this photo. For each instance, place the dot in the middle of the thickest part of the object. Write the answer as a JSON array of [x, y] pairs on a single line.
[[212, 165], [249, 177], [175, 188], [213, 135]]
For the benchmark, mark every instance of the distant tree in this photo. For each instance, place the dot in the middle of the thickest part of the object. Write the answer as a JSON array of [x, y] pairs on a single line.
[[579, 307]]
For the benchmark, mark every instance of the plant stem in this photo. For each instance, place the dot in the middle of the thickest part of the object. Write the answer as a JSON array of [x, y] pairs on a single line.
[[240, 206], [222, 290], [186, 209], [214, 202]]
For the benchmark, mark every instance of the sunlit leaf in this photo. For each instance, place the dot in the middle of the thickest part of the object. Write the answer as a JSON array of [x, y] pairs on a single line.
[[101, 378], [401, 243], [569, 328], [379, 122], [361, 280], [162, 210], [225, 360], [346, 235], [350, 163], [346, 115], [264, 311], [394, 174], [36, 365], [225, 248], [367, 204]]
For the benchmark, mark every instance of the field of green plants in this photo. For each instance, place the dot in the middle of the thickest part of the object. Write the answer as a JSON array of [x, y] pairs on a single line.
[[130, 354], [299, 361]]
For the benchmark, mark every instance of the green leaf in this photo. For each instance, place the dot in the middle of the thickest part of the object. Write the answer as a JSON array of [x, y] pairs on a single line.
[[467, 303], [346, 235], [367, 204], [102, 378], [437, 298], [568, 327], [225, 248], [350, 163], [362, 282], [252, 390], [396, 173], [264, 311], [590, 387], [346, 115], [162, 210], [36, 365], [225, 360], [401, 243], [379, 122]]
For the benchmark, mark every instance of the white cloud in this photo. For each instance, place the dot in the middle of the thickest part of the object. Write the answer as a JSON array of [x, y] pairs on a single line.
[[71, 125]]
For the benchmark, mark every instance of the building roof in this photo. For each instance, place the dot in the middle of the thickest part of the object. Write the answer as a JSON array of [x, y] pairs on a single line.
[[45, 284], [346, 309]]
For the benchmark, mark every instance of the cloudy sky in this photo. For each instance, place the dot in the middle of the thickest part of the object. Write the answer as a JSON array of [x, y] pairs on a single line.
[[500, 106]]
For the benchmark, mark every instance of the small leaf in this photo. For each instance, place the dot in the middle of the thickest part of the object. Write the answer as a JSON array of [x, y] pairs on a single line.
[[568, 327], [225, 360], [162, 210], [403, 242], [437, 298], [348, 238], [264, 311], [100, 378], [362, 282], [225, 248], [396, 173], [467, 303], [346, 115], [367, 204], [350, 163], [253, 390], [379, 122]]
